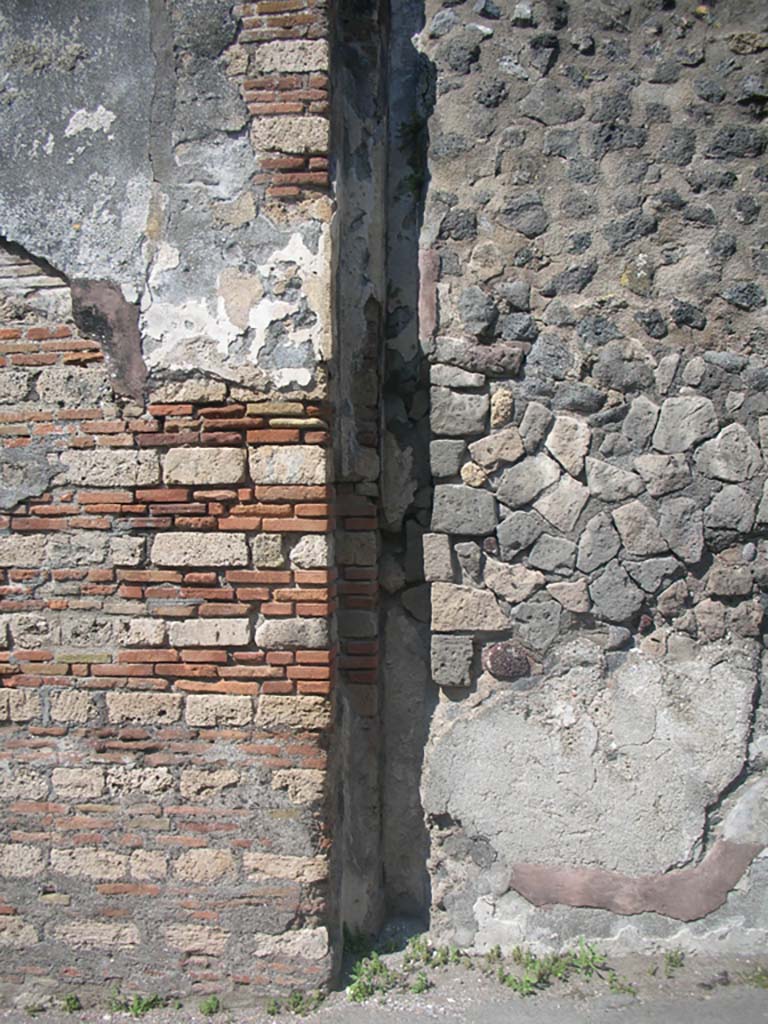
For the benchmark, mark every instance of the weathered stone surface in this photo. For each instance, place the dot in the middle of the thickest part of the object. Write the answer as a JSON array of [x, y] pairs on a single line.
[[149, 708], [638, 530], [455, 607], [290, 55], [562, 504], [306, 944], [505, 446], [452, 660], [108, 467], [574, 597], [305, 134], [210, 633], [663, 473], [218, 709], [553, 554], [204, 466], [314, 551], [438, 564], [614, 595], [457, 414], [277, 633], [640, 422], [518, 531], [726, 580], [537, 623], [611, 483], [515, 583], [522, 483], [288, 464], [463, 510], [267, 550], [443, 375], [445, 457], [731, 510], [568, 441], [197, 548], [681, 523], [731, 456], [683, 422], [598, 544], [652, 573], [205, 866], [548, 104], [293, 713], [534, 425]]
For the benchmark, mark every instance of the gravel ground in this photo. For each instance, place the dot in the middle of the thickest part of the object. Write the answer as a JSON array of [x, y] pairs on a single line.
[[702, 991]]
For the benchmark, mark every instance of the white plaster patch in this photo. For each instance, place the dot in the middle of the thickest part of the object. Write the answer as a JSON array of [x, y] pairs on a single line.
[[98, 120]]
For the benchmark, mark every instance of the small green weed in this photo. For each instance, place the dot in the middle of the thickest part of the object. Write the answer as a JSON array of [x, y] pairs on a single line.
[[71, 1003], [139, 1006], [420, 983], [301, 1004], [210, 1006], [369, 976], [673, 961], [272, 1008], [758, 977], [619, 985]]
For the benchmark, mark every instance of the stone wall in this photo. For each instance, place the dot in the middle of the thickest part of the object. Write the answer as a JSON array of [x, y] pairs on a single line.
[[594, 312], [167, 612], [331, 340]]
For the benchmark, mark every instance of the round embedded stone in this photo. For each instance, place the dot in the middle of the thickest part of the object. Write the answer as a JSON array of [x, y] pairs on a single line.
[[506, 661]]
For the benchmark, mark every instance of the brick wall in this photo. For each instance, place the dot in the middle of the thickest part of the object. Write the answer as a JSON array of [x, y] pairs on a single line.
[[165, 611], [167, 625]]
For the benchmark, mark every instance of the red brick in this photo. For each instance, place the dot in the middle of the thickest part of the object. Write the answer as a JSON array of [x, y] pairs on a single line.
[[200, 654], [297, 525], [272, 436]]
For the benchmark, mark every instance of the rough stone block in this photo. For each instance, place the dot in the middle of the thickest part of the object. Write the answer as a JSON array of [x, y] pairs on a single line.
[[206, 783], [218, 709], [445, 457], [17, 933], [306, 944], [205, 866], [300, 464], [438, 564], [196, 938], [102, 935], [20, 860], [463, 510], [457, 414], [210, 633], [146, 708], [303, 785], [305, 134], [140, 632], [90, 862], [78, 783], [455, 607], [200, 549], [267, 550], [147, 865], [108, 467], [204, 466], [315, 551], [293, 713], [298, 869], [280, 633], [452, 660], [294, 55]]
